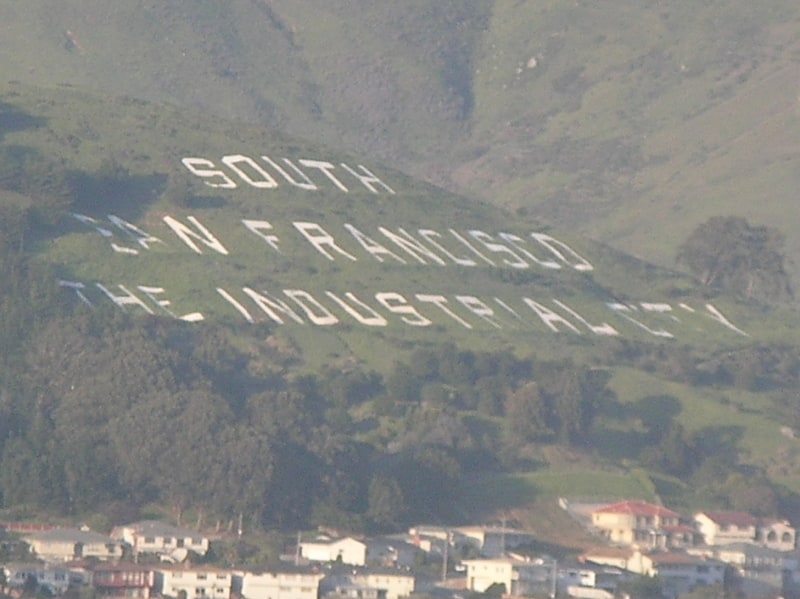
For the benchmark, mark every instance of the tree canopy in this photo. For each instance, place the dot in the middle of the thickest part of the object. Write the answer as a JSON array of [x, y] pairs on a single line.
[[730, 253]]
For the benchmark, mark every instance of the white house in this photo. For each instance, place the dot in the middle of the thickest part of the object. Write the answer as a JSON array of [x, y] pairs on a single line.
[[293, 583], [574, 579], [385, 583], [520, 577], [346, 550], [726, 527], [152, 536], [195, 582], [65, 544]]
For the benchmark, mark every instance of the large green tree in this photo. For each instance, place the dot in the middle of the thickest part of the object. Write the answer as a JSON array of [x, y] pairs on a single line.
[[730, 253]]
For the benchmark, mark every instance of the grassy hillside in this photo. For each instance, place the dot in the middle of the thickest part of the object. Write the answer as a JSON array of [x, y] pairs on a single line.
[[606, 121], [122, 157], [608, 129]]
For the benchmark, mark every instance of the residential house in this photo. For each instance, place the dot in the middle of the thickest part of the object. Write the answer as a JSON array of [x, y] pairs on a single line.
[[160, 538], [430, 539], [391, 552], [55, 578], [726, 527], [519, 576], [754, 566], [286, 583], [493, 541], [123, 579], [346, 550], [681, 572], [384, 583], [640, 524], [615, 557], [574, 580], [65, 544], [193, 582], [351, 592]]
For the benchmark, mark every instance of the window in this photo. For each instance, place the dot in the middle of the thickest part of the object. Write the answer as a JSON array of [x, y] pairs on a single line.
[[149, 540], [202, 576]]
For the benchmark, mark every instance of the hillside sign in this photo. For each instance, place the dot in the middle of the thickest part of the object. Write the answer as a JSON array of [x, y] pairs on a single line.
[[385, 245]]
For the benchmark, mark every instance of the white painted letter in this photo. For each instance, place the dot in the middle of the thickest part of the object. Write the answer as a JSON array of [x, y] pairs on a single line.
[[239, 307], [315, 312], [411, 246], [266, 181], [77, 288], [440, 301], [551, 242], [548, 317], [319, 237], [517, 241], [367, 178], [397, 304], [164, 304], [186, 235], [372, 246], [305, 184], [471, 247], [479, 308], [271, 305], [489, 244], [716, 315], [602, 329], [374, 320], [142, 238], [428, 234], [325, 168], [622, 309], [196, 166], [129, 299], [257, 226]]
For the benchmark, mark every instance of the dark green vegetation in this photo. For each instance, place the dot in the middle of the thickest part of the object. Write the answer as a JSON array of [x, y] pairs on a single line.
[[632, 123]]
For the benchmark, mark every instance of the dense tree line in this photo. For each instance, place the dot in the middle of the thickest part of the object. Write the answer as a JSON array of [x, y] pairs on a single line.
[[99, 409]]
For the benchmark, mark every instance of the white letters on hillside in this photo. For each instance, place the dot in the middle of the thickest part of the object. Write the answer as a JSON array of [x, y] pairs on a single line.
[[387, 308], [264, 173], [381, 246]]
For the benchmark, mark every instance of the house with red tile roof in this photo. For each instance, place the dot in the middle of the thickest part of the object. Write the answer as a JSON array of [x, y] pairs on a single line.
[[642, 524]]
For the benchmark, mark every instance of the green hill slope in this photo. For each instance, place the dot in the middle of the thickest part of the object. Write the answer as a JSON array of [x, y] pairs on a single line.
[[607, 121], [225, 263]]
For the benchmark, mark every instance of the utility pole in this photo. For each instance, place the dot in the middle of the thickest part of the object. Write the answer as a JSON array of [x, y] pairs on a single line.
[[503, 536], [444, 554], [297, 551]]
